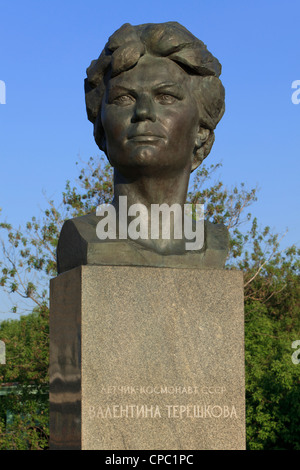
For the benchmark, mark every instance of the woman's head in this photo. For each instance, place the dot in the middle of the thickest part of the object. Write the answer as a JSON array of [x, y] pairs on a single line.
[[173, 42]]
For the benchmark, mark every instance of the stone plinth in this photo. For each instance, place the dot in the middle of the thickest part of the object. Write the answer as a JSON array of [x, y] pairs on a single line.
[[147, 358]]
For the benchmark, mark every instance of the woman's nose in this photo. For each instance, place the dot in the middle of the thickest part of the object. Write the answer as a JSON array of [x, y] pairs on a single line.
[[144, 109]]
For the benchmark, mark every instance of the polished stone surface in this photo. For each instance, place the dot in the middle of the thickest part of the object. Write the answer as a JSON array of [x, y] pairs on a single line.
[[147, 358], [65, 361]]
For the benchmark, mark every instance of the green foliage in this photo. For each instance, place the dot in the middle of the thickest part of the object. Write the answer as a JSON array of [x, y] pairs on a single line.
[[272, 380], [272, 299], [24, 411], [25, 434]]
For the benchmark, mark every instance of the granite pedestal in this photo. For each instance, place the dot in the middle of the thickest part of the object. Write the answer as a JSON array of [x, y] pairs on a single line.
[[147, 358]]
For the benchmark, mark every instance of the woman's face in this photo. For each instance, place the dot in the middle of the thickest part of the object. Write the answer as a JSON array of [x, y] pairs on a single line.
[[150, 118]]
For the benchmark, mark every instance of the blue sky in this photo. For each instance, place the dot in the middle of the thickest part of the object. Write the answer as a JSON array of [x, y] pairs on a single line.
[[46, 47]]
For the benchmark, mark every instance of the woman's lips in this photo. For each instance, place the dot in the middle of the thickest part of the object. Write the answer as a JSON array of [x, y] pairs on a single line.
[[145, 138], [144, 135]]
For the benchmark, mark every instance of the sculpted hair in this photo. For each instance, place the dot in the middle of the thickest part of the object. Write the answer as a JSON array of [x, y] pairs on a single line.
[[171, 40]]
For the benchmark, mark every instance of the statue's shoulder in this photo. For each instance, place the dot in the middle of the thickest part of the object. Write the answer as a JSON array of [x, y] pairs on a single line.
[[83, 222], [74, 237], [216, 236], [216, 245], [79, 245]]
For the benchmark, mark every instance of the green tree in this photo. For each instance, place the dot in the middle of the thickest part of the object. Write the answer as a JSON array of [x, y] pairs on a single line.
[[272, 323], [24, 413], [271, 288]]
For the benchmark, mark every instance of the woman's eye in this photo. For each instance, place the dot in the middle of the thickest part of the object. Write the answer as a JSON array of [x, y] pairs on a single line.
[[124, 100], [164, 98]]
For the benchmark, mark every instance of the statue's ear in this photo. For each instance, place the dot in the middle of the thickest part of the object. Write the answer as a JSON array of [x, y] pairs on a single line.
[[202, 136], [204, 139]]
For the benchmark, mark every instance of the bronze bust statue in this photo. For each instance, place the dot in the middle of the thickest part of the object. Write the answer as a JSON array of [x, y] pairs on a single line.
[[154, 97]]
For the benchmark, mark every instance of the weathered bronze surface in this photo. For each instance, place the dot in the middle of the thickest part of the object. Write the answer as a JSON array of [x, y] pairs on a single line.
[[154, 98]]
